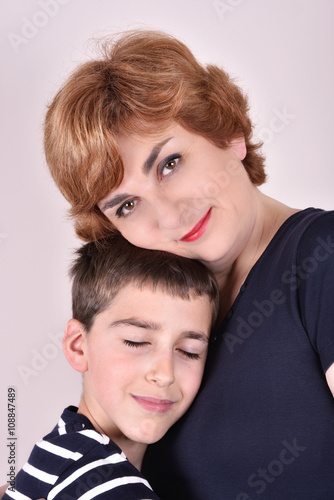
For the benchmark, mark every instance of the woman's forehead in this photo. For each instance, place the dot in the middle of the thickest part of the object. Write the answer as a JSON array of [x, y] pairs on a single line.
[[148, 134]]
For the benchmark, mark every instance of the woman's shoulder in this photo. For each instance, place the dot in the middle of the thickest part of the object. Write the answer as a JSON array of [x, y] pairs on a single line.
[[308, 216], [317, 235], [305, 224], [298, 237]]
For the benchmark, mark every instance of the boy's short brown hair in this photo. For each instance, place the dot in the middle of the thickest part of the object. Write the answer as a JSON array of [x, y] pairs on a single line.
[[144, 81], [102, 268]]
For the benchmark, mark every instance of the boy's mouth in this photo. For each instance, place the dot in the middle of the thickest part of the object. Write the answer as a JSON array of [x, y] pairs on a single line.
[[154, 404]]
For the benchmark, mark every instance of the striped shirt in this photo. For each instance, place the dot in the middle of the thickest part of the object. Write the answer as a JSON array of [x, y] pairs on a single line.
[[75, 462]]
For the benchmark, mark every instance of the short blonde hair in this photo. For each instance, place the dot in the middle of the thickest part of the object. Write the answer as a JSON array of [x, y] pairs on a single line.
[[144, 81]]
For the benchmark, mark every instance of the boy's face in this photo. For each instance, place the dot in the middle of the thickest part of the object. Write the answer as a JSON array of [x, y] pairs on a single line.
[[145, 359]]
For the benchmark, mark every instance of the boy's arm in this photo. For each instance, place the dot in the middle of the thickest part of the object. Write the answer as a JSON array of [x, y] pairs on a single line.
[[2, 490]]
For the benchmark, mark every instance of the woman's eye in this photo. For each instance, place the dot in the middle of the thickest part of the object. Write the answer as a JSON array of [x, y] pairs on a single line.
[[126, 208], [169, 165], [131, 343]]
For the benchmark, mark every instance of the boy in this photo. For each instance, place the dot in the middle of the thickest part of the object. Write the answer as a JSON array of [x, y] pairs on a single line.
[[139, 334]]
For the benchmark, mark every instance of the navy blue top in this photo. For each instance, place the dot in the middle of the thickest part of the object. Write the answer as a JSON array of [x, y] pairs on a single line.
[[75, 461], [262, 426]]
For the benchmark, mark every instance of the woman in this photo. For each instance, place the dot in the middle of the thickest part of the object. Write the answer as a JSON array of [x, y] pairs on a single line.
[[148, 142]]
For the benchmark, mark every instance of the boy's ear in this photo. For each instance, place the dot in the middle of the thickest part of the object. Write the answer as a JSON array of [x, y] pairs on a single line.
[[239, 147], [74, 345]]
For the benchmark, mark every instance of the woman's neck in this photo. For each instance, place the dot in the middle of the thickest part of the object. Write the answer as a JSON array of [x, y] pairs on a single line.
[[270, 215]]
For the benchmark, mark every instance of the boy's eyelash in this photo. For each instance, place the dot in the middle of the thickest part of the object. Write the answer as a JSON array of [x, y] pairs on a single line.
[[190, 355], [131, 343]]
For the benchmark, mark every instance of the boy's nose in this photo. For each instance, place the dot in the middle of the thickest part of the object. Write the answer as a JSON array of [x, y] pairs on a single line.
[[161, 371]]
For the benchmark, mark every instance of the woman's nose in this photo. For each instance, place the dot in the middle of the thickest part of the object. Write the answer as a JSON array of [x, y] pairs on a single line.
[[168, 214], [161, 370]]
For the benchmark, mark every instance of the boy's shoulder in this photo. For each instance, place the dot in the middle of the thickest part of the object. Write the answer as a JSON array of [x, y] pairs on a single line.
[[76, 433], [73, 438], [72, 445]]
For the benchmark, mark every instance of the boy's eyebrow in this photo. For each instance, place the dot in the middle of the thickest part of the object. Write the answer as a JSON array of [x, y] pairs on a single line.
[[139, 323], [151, 325], [196, 336], [153, 155]]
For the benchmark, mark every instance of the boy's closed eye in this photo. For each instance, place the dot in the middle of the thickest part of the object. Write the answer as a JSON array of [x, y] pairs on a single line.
[[132, 343], [194, 352]]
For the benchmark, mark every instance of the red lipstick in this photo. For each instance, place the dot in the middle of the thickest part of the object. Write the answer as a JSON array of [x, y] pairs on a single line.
[[154, 404], [199, 229]]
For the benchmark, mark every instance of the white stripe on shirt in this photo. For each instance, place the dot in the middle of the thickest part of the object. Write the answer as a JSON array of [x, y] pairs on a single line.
[[114, 483], [61, 427], [58, 450], [100, 438], [16, 495], [112, 459], [39, 474]]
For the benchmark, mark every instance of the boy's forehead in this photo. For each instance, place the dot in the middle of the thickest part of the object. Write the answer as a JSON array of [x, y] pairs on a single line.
[[156, 292], [145, 300]]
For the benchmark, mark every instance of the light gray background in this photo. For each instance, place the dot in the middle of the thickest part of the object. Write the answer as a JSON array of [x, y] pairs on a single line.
[[280, 51]]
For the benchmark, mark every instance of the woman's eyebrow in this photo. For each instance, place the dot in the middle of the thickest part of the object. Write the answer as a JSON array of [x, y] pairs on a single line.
[[149, 162], [116, 200]]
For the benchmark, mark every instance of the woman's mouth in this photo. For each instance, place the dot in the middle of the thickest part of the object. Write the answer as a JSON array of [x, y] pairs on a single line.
[[199, 229], [154, 404]]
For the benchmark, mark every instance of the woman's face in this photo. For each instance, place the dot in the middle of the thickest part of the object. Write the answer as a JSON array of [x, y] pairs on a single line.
[[183, 194]]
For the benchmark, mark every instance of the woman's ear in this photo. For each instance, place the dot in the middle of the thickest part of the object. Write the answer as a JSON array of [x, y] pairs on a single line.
[[74, 342], [239, 147]]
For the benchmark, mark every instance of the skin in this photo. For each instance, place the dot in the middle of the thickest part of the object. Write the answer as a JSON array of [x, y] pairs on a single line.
[[174, 196], [143, 362], [171, 181], [146, 344], [189, 177]]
